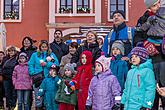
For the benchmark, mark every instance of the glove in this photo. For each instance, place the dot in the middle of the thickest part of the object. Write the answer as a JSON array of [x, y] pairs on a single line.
[[143, 108], [116, 106], [88, 107], [72, 85], [67, 83]]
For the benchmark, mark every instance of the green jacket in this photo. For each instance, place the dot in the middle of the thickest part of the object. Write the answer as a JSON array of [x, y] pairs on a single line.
[[65, 94], [139, 87]]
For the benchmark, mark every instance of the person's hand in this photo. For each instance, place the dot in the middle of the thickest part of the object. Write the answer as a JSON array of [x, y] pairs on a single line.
[[43, 63], [38, 97], [125, 58], [161, 90]]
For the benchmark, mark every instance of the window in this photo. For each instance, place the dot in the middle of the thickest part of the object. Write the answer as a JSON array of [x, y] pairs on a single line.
[[83, 6], [66, 6], [116, 5], [11, 9]]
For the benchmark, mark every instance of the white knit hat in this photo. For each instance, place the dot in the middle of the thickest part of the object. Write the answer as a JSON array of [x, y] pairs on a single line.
[[149, 3]]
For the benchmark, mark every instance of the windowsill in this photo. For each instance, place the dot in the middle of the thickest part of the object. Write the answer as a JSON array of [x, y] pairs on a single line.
[[13, 21], [74, 14]]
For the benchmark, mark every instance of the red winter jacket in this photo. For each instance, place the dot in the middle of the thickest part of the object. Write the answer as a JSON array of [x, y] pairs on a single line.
[[83, 78]]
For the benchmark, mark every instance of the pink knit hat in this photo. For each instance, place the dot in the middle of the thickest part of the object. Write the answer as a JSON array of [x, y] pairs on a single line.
[[105, 62]]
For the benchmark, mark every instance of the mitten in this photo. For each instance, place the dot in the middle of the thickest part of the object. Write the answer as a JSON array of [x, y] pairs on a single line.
[[116, 106], [88, 107], [67, 83], [72, 85], [143, 108]]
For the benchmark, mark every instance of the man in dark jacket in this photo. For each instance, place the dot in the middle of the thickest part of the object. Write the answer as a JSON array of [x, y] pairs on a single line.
[[58, 47], [1, 81]]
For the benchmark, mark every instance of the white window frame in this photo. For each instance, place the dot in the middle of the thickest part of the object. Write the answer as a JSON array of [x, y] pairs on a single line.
[[75, 10], [111, 20], [10, 20]]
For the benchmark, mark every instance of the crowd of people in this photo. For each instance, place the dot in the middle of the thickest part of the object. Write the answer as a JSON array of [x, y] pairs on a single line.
[[123, 71]]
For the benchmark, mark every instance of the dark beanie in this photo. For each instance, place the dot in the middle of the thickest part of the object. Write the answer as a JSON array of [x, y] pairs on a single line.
[[141, 52], [119, 11]]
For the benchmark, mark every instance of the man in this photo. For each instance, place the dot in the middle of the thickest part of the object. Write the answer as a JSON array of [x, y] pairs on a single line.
[[119, 32], [58, 47]]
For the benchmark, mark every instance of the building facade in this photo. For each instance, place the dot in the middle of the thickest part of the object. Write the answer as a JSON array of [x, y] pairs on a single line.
[[40, 18]]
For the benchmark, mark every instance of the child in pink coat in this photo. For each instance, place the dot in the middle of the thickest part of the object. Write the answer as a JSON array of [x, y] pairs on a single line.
[[22, 82]]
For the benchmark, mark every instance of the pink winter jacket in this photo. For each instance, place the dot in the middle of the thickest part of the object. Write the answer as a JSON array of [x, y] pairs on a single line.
[[21, 79]]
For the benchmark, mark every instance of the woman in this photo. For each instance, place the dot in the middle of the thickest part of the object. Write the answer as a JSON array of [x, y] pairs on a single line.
[[90, 44], [40, 62], [29, 49], [27, 46], [9, 62]]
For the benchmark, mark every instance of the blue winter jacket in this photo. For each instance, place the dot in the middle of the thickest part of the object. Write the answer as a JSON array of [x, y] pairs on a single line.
[[48, 90], [121, 34], [119, 68], [139, 87], [34, 66]]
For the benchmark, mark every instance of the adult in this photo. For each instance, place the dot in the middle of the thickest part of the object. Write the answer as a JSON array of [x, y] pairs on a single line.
[[27, 46], [2, 54], [58, 47], [9, 62], [40, 62], [158, 59], [91, 45], [121, 32], [67, 58], [29, 49]]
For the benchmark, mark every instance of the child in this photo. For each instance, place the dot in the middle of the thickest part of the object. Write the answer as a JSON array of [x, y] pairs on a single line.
[[140, 85], [104, 89], [65, 96], [119, 67], [48, 89], [83, 78], [22, 82]]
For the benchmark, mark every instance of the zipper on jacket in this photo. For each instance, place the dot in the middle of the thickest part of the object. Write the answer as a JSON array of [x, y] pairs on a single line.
[[138, 77]]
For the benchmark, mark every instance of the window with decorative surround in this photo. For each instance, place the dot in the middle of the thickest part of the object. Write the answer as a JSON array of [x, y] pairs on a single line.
[[114, 5], [74, 7], [11, 10]]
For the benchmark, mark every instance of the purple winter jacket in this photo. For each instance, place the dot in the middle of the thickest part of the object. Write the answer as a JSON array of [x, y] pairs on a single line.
[[21, 79], [102, 91]]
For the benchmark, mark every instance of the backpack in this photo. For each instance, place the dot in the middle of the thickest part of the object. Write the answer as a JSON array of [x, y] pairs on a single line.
[[127, 43]]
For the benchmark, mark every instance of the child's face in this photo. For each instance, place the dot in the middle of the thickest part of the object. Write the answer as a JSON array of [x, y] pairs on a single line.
[[100, 41], [98, 68], [72, 50], [52, 72], [68, 73], [154, 8], [22, 59], [83, 60], [116, 51], [44, 47], [135, 60]]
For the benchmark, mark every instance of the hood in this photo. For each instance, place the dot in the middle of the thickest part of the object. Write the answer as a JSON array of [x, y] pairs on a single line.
[[104, 74], [147, 64], [88, 57]]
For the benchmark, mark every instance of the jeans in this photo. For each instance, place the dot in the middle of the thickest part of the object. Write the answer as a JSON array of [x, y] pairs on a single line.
[[23, 99], [10, 93], [159, 70]]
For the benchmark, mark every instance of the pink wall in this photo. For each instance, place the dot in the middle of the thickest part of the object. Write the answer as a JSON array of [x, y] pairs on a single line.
[[34, 18], [77, 19]]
